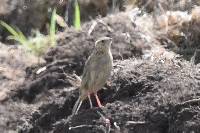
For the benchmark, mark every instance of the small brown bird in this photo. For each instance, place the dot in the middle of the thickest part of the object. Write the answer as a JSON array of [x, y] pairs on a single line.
[[96, 71]]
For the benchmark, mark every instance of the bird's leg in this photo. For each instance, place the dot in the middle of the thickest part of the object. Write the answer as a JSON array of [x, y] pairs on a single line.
[[77, 106], [90, 101], [98, 101]]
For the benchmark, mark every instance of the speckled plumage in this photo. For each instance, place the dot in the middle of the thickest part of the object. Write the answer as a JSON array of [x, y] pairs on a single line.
[[96, 71]]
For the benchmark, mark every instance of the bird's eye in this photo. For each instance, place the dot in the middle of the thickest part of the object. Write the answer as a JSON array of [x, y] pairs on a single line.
[[103, 41]]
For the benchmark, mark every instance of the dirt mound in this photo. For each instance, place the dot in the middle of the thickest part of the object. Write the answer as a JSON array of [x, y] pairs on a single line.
[[73, 49], [144, 96]]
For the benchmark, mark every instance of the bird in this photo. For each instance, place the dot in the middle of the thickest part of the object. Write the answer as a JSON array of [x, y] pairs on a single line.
[[96, 72]]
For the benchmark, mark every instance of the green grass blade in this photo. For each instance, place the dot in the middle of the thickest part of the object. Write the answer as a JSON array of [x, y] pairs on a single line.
[[21, 35], [53, 22], [53, 27], [77, 20], [9, 28], [16, 34]]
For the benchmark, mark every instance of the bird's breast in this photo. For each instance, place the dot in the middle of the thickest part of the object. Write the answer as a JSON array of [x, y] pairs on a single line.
[[97, 72]]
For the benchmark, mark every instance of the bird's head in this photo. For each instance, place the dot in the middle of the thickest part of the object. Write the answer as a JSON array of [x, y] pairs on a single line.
[[103, 43]]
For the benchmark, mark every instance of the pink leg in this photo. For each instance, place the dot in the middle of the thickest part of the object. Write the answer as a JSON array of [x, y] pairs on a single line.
[[98, 101]]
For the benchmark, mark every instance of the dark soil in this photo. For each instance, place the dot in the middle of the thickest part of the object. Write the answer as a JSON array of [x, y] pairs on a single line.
[[151, 90], [144, 97]]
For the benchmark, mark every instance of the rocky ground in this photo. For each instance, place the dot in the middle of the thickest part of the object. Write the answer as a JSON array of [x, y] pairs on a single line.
[[154, 87]]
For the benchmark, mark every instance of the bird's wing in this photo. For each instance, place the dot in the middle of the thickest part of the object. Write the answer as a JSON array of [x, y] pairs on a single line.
[[87, 72]]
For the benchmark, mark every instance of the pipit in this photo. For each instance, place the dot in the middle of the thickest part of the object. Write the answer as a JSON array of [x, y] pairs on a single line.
[[96, 72]]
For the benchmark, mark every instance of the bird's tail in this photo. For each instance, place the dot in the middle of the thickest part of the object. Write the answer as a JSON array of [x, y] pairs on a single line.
[[77, 106]]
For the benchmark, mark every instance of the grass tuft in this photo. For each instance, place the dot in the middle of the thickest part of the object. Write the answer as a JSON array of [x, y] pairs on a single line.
[[39, 44]]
